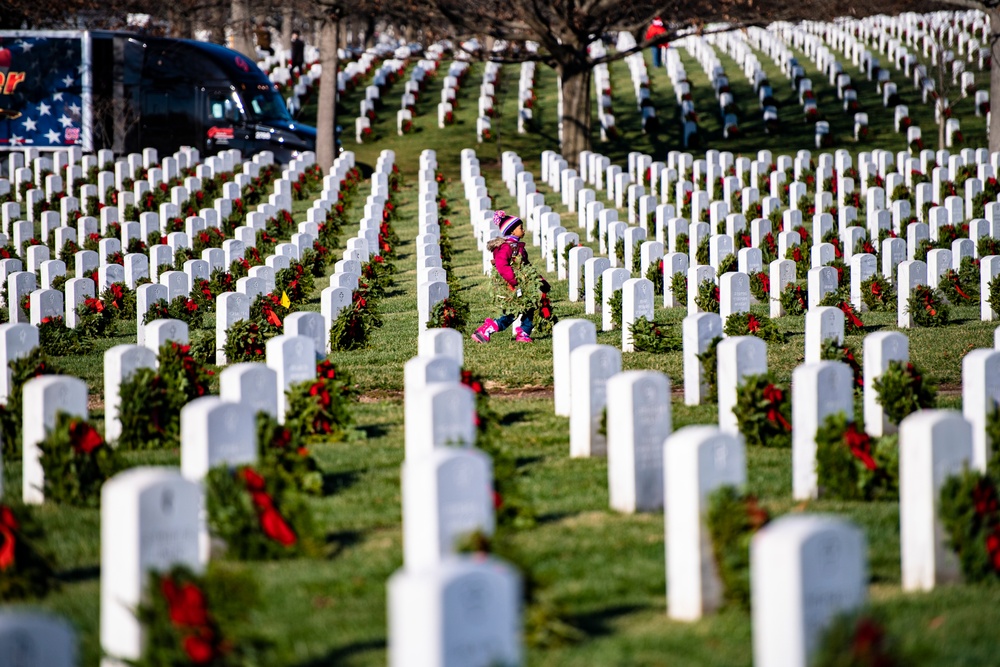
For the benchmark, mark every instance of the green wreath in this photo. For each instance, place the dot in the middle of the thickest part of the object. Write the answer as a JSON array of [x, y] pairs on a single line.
[[653, 336], [850, 465], [733, 518], [709, 360], [927, 307], [707, 298], [878, 294], [764, 412], [902, 390], [752, 324], [795, 298]]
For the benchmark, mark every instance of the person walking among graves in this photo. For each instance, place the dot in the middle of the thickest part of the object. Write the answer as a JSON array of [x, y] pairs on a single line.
[[516, 284], [298, 52], [656, 29]]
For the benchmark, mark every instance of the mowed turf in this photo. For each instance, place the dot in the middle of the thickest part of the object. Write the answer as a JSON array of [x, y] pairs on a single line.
[[605, 570]]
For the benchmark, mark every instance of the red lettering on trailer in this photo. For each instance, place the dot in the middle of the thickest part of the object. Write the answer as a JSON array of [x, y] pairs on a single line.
[[12, 79]]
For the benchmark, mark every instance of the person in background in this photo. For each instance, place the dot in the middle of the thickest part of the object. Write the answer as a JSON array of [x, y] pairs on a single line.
[[298, 52], [656, 29]]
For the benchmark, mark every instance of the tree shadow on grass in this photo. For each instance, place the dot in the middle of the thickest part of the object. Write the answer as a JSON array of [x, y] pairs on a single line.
[[523, 461], [600, 622], [340, 541], [79, 574], [334, 482], [374, 430], [553, 517], [513, 417], [338, 656]]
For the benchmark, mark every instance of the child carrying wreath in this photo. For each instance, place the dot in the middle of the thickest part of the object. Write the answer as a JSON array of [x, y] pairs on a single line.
[[517, 287]]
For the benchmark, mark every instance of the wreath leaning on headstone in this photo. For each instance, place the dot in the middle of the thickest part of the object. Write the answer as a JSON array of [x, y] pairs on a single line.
[[679, 287], [654, 336], [709, 360], [654, 274], [760, 286], [187, 619], [753, 324], [514, 509], [927, 307], [320, 408], [449, 313], [25, 569], [733, 518], [858, 640], [257, 516], [707, 298], [76, 461], [831, 350], [961, 287], [282, 450], [764, 412], [852, 318], [794, 299], [354, 324], [903, 389], [851, 465], [615, 303], [151, 400], [34, 364], [878, 294]]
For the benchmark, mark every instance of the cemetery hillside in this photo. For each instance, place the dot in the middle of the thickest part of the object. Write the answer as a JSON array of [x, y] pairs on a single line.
[[326, 350]]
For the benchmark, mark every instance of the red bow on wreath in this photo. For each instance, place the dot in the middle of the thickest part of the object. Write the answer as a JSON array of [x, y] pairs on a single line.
[[849, 313], [8, 524], [753, 324], [774, 397], [271, 521], [860, 445]]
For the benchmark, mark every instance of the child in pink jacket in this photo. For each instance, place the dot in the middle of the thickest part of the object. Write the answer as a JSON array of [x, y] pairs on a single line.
[[507, 247]]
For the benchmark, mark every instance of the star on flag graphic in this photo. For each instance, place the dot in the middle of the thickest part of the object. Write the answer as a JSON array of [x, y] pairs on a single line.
[[46, 107]]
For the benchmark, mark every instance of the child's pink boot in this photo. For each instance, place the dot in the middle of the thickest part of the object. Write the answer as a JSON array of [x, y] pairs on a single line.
[[522, 337], [483, 333]]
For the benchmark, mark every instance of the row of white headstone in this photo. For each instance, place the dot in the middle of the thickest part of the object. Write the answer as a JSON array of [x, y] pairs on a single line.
[[153, 518], [644, 458], [642, 208], [170, 284], [444, 608]]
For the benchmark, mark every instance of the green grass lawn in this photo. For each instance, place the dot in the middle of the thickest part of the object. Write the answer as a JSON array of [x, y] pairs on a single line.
[[605, 570]]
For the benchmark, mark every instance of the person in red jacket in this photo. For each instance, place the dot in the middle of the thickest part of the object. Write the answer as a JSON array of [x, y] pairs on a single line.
[[656, 29], [508, 251]]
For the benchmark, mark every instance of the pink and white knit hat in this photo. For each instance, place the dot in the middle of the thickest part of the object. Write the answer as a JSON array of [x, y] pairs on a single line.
[[506, 223]]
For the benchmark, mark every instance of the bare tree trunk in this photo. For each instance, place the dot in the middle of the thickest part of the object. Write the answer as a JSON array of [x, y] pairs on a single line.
[[326, 114], [576, 79], [370, 31], [994, 127], [242, 32], [287, 16]]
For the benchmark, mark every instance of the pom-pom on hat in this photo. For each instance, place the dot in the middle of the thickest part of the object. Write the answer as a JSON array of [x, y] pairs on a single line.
[[506, 223]]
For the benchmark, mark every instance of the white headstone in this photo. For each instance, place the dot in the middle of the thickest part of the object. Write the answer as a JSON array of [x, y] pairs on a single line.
[[591, 366], [804, 571], [933, 445], [638, 422], [697, 461], [821, 389]]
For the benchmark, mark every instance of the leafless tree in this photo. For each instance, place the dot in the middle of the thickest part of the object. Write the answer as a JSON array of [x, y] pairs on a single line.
[[565, 28]]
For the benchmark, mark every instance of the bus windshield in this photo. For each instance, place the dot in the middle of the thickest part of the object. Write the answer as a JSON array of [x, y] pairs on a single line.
[[265, 105]]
